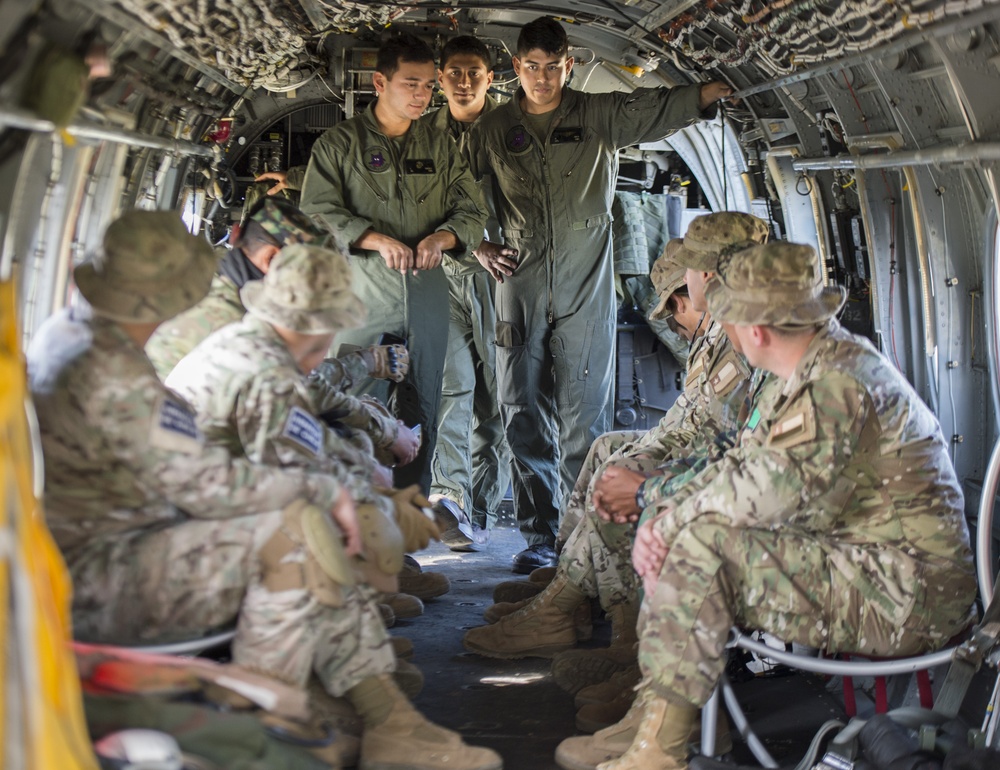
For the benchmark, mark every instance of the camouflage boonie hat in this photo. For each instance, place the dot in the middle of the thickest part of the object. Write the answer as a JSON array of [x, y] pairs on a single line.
[[667, 275], [150, 270], [778, 284], [284, 222], [708, 235], [307, 289]]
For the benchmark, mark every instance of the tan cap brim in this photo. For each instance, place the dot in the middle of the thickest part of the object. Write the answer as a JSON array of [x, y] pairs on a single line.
[[348, 315]]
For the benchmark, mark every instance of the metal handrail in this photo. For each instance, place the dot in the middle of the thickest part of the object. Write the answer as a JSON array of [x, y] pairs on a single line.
[[841, 667], [984, 527]]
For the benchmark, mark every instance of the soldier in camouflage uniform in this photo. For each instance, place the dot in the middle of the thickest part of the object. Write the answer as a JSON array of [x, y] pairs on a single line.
[[247, 381], [167, 536], [837, 522], [595, 560], [269, 226], [249, 389]]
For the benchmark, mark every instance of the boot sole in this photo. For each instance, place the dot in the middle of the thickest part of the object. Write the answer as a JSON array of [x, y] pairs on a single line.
[[570, 763], [363, 765], [546, 651]]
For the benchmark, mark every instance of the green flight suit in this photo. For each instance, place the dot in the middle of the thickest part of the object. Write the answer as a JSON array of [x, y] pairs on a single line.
[[471, 463], [359, 179], [556, 314]]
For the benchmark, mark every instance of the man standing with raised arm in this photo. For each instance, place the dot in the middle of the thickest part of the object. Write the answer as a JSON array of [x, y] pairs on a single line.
[[553, 152]]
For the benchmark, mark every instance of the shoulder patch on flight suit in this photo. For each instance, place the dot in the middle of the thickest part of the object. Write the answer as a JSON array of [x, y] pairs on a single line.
[[376, 159], [727, 375], [419, 166], [174, 427], [798, 426], [304, 429], [566, 135], [518, 139]]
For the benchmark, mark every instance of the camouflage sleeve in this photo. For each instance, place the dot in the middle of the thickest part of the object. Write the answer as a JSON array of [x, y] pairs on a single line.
[[799, 459], [165, 453], [466, 209], [326, 386], [334, 376], [277, 425], [669, 479], [675, 432], [324, 192]]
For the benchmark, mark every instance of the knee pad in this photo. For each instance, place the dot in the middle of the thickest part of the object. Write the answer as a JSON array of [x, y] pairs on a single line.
[[306, 552]]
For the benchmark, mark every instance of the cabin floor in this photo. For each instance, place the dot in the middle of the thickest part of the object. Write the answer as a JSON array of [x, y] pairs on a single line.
[[515, 708]]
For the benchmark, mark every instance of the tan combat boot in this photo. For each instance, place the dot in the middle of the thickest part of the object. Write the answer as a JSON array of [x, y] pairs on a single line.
[[423, 585], [574, 670], [397, 737], [597, 716], [581, 618], [494, 612], [543, 575], [511, 591], [605, 692], [402, 647], [540, 629], [403, 605], [586, 752], [662, 738]]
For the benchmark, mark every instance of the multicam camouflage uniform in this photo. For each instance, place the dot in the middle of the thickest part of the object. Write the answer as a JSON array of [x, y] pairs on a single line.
[[838, 521], [252, 399], [161, 531], [597, 554], [177, 337], [331, 380]]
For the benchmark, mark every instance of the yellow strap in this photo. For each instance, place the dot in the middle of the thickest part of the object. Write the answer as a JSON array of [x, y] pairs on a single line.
[[47, 688]]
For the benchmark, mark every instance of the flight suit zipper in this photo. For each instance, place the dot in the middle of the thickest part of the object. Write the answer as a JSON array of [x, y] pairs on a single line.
[[551, 265]]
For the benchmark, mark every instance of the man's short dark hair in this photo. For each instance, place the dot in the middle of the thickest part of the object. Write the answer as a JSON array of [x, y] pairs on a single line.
[[403, 48], [466, 44], [544, 33]]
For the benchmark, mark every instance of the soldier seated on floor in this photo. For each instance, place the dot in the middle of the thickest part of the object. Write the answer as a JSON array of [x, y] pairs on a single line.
[[837, 522], [168, 536]]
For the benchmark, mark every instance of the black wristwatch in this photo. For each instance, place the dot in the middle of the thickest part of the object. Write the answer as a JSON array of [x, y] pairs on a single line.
[[640, 497]]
